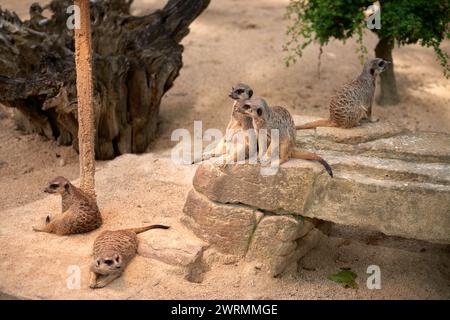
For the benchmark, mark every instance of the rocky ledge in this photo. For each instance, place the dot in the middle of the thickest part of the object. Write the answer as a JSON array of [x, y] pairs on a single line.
[[385, 179]]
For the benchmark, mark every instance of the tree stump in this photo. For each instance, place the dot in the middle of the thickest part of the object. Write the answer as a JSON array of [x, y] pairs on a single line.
[[135, 61]]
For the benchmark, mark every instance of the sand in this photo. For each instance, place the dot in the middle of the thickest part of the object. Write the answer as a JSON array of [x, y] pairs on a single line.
[[230, 43]]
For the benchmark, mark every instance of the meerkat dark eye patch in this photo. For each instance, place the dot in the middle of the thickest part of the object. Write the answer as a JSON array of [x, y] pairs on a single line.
[[259, 111], [246, 106], [372, 71], [381, 64], [54, 185], [239, 91], [250, 93], [109, 262]]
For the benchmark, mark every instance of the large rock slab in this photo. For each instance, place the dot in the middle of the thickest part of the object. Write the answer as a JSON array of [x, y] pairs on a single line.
[[227, 227], [386, 179], [175, 248], [363, 133], [284, 192], [279, 241], [237, 231]]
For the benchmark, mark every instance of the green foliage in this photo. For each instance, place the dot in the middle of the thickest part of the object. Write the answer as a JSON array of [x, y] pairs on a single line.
[[407, 21], [345, 277]]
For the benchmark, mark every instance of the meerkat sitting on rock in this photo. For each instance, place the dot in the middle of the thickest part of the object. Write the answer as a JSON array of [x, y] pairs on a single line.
[[80, 213], [354, 100], [238, 124], [113, 250], [277, 118]]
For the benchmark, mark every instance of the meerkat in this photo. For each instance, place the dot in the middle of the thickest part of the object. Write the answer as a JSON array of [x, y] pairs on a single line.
[[268, 118], [80, 213], [112, 251], [238, 123], [354, 100]]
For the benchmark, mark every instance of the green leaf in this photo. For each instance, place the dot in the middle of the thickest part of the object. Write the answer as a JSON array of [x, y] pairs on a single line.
[[345, 277]]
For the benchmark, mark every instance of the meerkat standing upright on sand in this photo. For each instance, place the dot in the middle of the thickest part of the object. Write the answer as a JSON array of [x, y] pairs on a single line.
[[278, 118], [113, 250], [354, 100], [80, 213], [238, 123]]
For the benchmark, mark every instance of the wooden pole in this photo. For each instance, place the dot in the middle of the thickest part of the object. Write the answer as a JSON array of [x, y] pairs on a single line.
[[86, 116]]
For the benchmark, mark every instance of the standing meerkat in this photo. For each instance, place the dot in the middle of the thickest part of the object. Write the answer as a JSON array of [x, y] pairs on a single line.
[[113, 250], [354, 100], [238, 123], [278, 118], [80, 213]]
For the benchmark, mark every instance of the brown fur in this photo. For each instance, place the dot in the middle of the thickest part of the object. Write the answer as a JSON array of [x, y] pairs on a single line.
[[268, 118], [113, 250], [80, 213], [239, 123], [354, 100]]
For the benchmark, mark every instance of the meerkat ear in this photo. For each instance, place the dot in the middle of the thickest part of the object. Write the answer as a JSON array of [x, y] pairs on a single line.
[[47, 220], [250, 93], [97, 262], [372, 71], [117, 258], [66, 186], [259, 111]]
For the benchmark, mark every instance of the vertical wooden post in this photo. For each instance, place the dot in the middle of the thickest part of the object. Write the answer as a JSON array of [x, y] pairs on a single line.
[[86, 116]]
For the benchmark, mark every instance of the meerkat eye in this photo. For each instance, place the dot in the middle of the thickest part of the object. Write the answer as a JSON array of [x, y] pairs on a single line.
[[259, 111], [250, 93], [246, 107], [54, 185], [239, 91], [381, 63]]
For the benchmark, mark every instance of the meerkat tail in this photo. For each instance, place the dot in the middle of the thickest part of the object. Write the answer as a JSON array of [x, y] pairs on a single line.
[[317, 123], [311, 156], [143, 229]]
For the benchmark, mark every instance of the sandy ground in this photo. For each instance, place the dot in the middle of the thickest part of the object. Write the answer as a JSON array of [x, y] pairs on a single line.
[[230, 43]]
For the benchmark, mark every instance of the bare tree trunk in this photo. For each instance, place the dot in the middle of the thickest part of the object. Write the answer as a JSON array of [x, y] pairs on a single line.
[[86, 128], [389, 94], [135, 60]]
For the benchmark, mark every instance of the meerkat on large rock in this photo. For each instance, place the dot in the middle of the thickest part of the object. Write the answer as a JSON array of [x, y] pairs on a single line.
[[113, 250], [354, 100], [238, 123], [278, 118], [80, 213]]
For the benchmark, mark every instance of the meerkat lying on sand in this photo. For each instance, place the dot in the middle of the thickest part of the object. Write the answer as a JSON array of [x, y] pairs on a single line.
[[80, 213], [113, 250]]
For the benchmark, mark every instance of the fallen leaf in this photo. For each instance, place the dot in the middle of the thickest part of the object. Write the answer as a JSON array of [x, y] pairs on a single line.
[[345, 277]]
